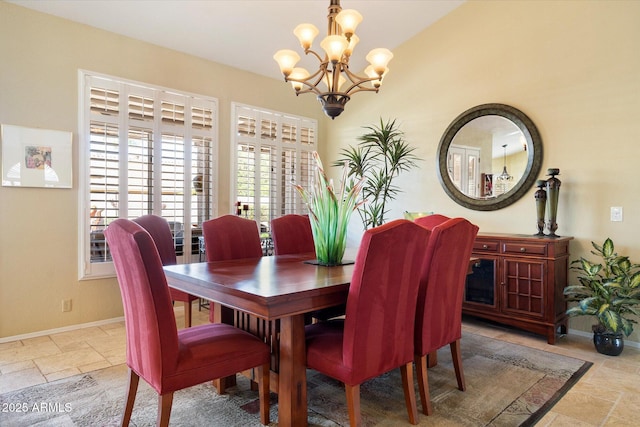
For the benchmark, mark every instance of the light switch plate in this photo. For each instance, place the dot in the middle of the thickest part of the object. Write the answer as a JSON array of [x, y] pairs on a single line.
[[616, 213]]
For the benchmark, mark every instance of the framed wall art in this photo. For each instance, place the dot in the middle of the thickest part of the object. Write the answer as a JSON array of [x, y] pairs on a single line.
[[36, 157]]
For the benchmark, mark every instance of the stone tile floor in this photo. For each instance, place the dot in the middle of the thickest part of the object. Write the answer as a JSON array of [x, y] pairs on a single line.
[[608, 395]]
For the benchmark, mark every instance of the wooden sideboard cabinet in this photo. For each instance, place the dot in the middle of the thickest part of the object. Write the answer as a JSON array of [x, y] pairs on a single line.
[[519, 281]]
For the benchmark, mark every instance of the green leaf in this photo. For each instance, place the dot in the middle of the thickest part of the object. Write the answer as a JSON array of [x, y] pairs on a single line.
[[577, 290], [610, 319], [607, 248], [626, 326]]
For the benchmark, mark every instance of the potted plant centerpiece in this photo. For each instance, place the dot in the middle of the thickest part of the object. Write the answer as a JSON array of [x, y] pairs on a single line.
[[608, 289], [330, 209]]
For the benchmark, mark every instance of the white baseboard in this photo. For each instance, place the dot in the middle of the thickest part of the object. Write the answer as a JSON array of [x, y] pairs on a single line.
[[627, 343], [121, 319], [63, 329]]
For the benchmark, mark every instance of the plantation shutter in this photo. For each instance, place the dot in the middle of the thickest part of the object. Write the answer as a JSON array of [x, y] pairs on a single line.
[[264, 184], [149, 151]]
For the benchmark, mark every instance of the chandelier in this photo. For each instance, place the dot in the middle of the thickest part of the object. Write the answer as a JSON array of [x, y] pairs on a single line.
[[333, 82], [504, 178]]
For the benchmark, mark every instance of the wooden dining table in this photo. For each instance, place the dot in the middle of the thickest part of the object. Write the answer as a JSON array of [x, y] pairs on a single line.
[[279, 288]]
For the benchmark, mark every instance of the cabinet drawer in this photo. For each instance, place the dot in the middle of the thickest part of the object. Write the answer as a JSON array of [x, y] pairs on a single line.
[[486, 246], [524, 248]]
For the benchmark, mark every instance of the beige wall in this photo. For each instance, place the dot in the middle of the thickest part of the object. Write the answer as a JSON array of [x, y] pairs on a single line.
[[39, 60], [571, 66]]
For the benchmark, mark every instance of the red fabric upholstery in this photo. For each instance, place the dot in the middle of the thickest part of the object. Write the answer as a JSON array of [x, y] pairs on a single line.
[[439, 312], [292, 234], [231, 237], [160, 232], [166, 358], [431, 221], [376, 335]]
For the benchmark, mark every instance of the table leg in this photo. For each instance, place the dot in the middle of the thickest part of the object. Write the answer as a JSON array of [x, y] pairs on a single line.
[[432, 359], [222, 314], [292, 389]]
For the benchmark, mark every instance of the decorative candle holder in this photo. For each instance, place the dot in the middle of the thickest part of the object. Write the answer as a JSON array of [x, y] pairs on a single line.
[[553, 191], [541, 203]]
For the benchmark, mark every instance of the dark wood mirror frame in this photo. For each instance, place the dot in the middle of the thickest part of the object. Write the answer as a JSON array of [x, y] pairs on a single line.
[[534, 159]]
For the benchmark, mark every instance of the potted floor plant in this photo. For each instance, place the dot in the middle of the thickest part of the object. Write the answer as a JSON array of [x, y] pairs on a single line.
[[609, 290], [380, 156]]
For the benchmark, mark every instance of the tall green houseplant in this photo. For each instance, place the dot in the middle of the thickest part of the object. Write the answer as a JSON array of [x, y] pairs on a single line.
[[381, 155]]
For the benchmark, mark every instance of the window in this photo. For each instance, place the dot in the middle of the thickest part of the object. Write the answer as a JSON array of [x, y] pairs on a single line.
[[143, 150], [273, 151]]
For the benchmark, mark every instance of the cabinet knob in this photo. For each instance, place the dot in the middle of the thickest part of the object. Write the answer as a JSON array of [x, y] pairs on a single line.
[[523, 249], [485, 246]]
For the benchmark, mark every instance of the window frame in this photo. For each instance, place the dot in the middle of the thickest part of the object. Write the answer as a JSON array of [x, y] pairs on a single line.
[[87, 269], [278, 146]]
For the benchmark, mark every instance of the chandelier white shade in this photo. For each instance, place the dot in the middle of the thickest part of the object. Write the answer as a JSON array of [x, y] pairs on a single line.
[[333, 82]]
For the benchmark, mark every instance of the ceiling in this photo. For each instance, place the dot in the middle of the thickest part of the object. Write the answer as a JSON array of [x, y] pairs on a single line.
[[246, 33]]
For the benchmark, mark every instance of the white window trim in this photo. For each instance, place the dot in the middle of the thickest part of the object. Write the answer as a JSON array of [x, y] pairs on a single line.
[[282, 118], [86, 269]]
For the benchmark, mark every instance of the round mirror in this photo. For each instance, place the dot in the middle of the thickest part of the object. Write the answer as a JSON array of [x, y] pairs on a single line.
[[489, 157]]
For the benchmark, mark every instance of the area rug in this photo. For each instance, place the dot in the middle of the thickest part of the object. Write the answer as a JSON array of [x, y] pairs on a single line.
[[507, 385]]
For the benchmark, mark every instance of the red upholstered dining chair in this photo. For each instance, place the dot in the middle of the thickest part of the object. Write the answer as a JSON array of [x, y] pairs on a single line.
[[292, 234], [230, 237], [431, 221], [377, 332], [165, 357], [439, 311], [160, 232]]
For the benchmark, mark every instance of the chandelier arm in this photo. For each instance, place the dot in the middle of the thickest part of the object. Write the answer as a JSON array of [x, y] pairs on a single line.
[[310, 82], [361, 89], [314, 53], [358, 81]]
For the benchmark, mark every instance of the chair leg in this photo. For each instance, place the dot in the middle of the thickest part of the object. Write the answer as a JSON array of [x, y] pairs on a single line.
[[423, 384], [134, 379], [220, 385], [187, 314], [264, 374], [164, 409], [353, 403], [409, 392], [456, 355]]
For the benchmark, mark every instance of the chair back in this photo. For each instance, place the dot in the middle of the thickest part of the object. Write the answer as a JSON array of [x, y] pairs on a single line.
[[160, 232], [431, 221], [292, 234], [381, 305], [231, 237], [439, 311], [152, 334]]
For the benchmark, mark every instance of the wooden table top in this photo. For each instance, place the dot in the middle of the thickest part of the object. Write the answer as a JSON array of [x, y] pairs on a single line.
[[269, 287]]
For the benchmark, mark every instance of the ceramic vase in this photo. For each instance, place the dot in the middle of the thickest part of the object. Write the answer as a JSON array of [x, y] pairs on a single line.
[[541, 203], [553, 192], [608, 343]]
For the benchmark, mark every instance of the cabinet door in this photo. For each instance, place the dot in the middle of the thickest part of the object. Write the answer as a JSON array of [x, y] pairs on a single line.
[[480, 288], [523, 287]]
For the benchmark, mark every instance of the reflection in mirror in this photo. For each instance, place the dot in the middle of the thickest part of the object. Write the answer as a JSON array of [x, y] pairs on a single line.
[[489, 157]]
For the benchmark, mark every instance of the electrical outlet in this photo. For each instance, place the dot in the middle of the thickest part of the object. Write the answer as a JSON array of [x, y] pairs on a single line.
[[66, 305], [616, 213]]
